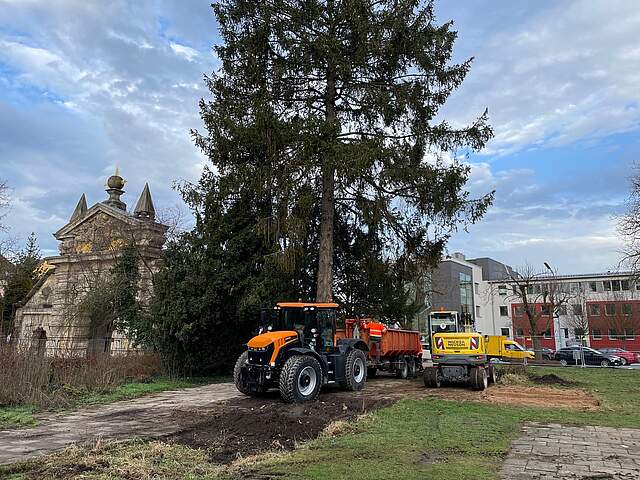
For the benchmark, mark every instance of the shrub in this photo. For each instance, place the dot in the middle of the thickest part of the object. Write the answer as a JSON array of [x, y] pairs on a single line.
[[29, 378]]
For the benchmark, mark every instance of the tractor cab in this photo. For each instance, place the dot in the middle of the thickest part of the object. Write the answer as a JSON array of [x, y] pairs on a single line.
[[315, 323]]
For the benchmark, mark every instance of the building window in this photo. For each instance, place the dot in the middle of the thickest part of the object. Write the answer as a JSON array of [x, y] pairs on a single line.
[[596, 334], [502, 290], [612, 334], [594, 309], [519, 310], [520, 332], [593, 286], [615, 285], [627, 309], [546, 310], [629, 334], [547, 333], [577, 309], [610, 309], [504, 332], [578, 332], [478, 311], [476, 288], [566, 332], [504, 311]]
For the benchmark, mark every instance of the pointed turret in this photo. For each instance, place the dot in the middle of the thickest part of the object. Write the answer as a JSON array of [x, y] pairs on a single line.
[[144, 207], [80, 210]]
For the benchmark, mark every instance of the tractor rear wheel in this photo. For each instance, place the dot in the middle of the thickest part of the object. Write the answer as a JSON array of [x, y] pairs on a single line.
[[431, 379], [355, 371], [300, 379], [479, 379], [239, 380], [403, 371]]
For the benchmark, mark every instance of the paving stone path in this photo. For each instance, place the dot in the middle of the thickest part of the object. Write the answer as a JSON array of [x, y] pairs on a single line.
[[584, 453], [147, 417]]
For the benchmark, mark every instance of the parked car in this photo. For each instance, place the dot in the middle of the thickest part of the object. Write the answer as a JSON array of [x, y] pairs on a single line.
[[547, 353], [626, 356], [591, 357]]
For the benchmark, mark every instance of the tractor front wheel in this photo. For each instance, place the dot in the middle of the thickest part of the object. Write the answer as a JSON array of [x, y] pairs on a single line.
[[239, 380], [355, 371], [300, 379]]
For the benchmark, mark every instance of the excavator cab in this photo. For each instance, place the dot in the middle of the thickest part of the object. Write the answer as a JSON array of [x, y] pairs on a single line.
[[297, 351]]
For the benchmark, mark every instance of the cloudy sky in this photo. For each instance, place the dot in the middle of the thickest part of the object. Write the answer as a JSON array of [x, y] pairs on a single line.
[[86, 86]]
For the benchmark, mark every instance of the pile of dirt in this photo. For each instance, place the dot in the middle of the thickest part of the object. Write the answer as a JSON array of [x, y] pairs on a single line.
[[552, 379], [247, 426]]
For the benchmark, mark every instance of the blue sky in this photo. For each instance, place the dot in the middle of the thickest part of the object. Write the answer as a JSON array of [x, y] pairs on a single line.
[[88, 86]]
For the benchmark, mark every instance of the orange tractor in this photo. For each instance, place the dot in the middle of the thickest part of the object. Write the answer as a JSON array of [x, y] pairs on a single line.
[[300, 349]]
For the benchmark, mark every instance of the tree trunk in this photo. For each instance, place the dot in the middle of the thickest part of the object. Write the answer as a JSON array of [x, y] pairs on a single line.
[[325, 257]]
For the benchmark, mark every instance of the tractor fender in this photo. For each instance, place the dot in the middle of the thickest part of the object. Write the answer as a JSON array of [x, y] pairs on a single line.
[[308, 352], [345, 345]]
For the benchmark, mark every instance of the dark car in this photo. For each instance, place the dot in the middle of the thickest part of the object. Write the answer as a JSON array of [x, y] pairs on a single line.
[[626, 356], [591, 357], [547, 353]]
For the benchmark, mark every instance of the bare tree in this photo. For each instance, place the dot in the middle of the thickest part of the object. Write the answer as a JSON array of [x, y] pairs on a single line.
[[618, 311], [629, 226], [533, 288], [4, 202]]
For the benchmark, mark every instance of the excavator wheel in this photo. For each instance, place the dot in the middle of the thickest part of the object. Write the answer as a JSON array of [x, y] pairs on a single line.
[[239, 380], [493, 376], [431, 379], [479, 378], [300, 379]]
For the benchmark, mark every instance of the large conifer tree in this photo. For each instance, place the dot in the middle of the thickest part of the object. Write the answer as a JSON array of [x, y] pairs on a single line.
[[328, 107]]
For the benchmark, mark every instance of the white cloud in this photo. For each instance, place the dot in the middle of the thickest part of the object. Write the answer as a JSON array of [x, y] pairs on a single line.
[[565, 73], [187, 52]]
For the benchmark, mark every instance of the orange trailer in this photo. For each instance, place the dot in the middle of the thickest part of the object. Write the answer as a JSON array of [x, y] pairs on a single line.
[[397, 350]]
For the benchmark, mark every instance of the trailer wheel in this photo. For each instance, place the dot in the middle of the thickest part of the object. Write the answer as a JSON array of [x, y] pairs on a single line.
[[355, 370], [479, 379], [238, 377], [493, 376], [431, 379], [403, 371], [300, 379], [413, 371]]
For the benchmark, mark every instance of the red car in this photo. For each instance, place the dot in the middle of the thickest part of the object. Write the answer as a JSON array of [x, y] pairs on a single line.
[[626, 356]]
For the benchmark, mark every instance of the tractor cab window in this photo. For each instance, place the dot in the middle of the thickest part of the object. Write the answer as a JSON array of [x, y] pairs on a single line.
[[296, 319], [326, 329]]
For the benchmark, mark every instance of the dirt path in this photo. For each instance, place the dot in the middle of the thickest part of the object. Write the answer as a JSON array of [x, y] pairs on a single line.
[[228, 425], [149, 416]]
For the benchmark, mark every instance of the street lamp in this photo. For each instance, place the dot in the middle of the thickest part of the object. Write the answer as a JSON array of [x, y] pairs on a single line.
[[556, 324]]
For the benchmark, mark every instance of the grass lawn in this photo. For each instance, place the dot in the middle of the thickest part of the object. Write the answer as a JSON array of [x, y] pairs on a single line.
[[23, 415], [413, 439]]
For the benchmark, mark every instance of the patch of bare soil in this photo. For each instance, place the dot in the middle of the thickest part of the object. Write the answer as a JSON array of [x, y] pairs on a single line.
[[247, 426], [540, 397]]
